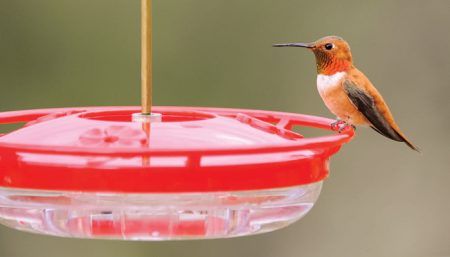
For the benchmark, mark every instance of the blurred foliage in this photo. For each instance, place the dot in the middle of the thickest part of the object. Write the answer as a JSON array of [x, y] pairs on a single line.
[[381, 199]]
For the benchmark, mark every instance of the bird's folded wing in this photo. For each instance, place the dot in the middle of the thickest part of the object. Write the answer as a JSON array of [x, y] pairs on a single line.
[[366, 105]]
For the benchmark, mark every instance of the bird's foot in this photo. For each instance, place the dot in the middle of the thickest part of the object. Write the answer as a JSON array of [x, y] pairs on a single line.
[[337, 124], [341, 125]]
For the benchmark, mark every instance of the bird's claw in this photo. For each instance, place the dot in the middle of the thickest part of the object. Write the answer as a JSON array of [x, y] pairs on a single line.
[[340, 126], [337, 124]]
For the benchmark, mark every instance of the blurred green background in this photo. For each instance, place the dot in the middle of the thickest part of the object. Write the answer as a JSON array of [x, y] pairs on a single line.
[[381, 199]]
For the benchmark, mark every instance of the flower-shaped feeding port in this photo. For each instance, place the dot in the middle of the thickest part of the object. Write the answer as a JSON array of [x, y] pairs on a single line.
[[196, 173], [112, 136]]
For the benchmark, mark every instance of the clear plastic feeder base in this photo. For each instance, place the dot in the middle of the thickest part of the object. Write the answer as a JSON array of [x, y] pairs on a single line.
[[155, 216]]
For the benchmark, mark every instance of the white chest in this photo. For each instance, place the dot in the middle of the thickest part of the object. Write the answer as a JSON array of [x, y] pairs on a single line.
[[326, 82]]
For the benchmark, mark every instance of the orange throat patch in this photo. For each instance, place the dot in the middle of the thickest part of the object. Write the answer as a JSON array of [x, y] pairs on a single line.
[[333, 66]]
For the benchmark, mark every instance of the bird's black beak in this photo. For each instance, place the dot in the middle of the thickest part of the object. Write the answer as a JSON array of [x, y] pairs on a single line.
[[305, 45]]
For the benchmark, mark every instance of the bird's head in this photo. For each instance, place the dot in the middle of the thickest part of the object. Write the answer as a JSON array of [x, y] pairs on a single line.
[[332, 54]]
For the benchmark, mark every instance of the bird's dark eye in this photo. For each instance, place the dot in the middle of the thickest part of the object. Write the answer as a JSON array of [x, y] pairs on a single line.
[[329, 46]]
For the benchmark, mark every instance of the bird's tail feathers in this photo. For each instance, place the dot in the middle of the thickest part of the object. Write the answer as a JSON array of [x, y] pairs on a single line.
[[407, 141]]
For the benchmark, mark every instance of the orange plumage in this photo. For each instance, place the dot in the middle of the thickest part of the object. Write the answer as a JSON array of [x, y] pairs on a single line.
[[347, 92]]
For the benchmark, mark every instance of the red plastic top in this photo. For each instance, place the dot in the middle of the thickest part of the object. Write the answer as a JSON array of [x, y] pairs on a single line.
[[191, 150]]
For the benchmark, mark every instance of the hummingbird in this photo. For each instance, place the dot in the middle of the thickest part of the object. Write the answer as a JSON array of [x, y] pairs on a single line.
[[347, 92]]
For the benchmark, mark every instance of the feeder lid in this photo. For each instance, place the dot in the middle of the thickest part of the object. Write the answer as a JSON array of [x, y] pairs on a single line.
[[189, 150]]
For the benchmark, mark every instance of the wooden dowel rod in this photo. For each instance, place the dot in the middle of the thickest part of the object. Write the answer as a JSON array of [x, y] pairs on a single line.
[[146, 56]]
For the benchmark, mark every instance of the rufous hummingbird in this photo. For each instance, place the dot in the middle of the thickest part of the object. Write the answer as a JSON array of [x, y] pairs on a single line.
[[347, 92]]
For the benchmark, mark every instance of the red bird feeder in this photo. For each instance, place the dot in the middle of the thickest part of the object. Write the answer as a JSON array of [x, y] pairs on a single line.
[[177, 173], [198, 173]]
